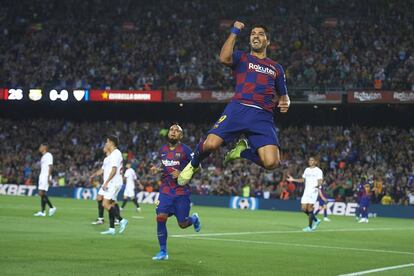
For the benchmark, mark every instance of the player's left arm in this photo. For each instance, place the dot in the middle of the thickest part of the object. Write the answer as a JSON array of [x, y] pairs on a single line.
[[49, 177], [111, 175], [281, 89]]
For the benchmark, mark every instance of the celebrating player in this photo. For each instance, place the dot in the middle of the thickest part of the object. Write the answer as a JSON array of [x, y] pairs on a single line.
[[312, 177], [258, 79], [173, 199], [129, 193], [46, 166], [112, 184]]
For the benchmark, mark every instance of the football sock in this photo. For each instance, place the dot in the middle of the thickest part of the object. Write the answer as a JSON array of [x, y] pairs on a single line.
[[199, 155], [48, 201], [136, 202], [325, 213], [162, 233], [317, 212], [112, 214], [124, 202], [100, 209], [43, 203], [251, 155], [311, 217], [117, 212]]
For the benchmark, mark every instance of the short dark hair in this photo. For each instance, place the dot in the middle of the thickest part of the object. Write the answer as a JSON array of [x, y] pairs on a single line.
[[114, 139], [45, 144], [264, 28]]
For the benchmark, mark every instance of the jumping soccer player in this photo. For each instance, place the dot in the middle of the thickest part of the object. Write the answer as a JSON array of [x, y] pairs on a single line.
[[173, 199], [258, 79], [323, 201], [129, 193], [112, 184], [364, 200], [312, 177], [46, 166]]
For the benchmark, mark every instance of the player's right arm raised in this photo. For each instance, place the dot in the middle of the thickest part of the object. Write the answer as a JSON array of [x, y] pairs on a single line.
[[226, 54]]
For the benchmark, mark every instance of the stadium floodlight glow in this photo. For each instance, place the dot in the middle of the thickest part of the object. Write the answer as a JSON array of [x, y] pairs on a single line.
[[63, 95], [35, 94]]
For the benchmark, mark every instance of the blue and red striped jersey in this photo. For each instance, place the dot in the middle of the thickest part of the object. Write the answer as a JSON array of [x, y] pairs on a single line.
[[257, 80], [174, 158]]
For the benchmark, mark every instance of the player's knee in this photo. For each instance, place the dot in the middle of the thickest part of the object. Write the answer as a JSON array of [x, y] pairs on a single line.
[[162, 218], [271, 163], [211, 144], [183, 225]]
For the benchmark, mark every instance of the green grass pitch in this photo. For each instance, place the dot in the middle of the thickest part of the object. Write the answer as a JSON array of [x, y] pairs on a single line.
[[232, 242]]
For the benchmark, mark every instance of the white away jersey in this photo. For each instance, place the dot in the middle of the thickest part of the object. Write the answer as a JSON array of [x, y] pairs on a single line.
[[113, 160], [130, 176], [311, 176], [45, 161]]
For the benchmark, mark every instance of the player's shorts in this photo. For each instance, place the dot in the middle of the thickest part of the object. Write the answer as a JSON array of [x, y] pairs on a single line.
[[101, 192], [364, 203], [309, 197], [257, 124], [179, 206], [129, 192], [321, 202], [112, 191], [43, 183]]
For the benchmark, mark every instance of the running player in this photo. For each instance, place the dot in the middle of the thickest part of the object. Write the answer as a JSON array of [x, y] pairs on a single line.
[[312, 177], [173, 199], [323, 201], [112, 184], [258, 79], [46, 166], [129, 194]]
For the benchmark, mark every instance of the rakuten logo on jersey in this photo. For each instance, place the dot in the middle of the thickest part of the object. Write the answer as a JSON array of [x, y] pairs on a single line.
[[170, 163], [261, 69]]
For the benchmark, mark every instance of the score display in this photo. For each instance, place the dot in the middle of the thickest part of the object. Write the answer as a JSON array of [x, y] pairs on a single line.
[[79, 95]]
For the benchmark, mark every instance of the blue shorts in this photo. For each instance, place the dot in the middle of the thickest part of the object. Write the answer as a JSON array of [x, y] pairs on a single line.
[[322, 202], [257, 124], [179, 206]]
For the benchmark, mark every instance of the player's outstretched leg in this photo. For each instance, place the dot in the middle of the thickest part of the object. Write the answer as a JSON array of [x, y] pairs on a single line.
[[196, 222], [52, 209], [236, 152], [162, 235]]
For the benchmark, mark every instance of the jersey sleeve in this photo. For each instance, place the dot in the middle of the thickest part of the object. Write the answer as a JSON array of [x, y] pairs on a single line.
[[320, 174], [114, 160], [280, 82], [188, 154], [304, 172], [236, 58], [134, 175], [127, 173]]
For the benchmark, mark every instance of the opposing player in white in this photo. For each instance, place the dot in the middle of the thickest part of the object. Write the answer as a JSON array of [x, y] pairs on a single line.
[[129, 193], [99, 197], [112, 184], [313, 178], [46, 166]]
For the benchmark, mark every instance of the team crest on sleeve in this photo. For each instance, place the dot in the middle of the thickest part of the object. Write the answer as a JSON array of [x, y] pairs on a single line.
[[222, 118]]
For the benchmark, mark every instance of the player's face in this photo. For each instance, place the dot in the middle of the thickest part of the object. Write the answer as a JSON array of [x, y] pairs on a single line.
[[258, 40], [175, 134], [108, 145], [42, 149], [312, 162]]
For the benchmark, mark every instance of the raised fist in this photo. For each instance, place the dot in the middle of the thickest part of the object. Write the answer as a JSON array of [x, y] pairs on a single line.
[[239, 25]]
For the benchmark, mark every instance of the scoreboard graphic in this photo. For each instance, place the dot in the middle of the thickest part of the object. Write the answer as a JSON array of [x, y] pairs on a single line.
[[78, 95]]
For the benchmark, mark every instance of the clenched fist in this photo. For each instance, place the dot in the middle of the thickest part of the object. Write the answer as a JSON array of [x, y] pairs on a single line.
[[239, 25]]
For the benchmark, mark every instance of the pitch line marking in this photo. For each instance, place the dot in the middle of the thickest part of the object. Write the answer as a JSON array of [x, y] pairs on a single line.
[[377, 270], [304, 245], [285, 232], [137, 217]]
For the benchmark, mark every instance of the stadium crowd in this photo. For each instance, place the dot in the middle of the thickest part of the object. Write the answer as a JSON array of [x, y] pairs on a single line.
[[382, 157], [322, 45]]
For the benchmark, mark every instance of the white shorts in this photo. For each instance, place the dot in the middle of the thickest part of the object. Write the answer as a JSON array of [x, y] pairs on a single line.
[[101, 192], [112, 191], [310, 197], [43, 183], [129, 192]]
